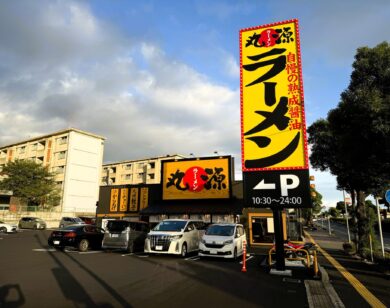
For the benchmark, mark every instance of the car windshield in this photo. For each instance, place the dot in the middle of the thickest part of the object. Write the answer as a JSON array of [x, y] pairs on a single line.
[[78, 220], [171, 225], [117, 225], [220, 230], [38, 219]]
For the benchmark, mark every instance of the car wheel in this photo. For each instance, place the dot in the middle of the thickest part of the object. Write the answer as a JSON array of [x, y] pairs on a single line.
[[19, 226], [235, 253], [83, 245], [184, 250], [3, 230], [35, 227], [130, 247]]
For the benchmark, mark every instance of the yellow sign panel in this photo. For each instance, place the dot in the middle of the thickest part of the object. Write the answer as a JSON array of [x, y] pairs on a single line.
[[133, 200], [273, 130], [196, 179], [144, 198], [124, 199], [114, 200]]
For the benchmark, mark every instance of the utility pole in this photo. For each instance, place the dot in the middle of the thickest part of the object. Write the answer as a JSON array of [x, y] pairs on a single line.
[[346, 217]]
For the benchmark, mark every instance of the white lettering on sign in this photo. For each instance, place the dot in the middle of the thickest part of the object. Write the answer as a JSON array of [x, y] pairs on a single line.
[[288, 181], [263, 185]]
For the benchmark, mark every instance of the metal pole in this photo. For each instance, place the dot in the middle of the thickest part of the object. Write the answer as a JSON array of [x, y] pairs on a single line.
[[372, 257], [380, 226], [279, 242], [330, 232], [346, 217]]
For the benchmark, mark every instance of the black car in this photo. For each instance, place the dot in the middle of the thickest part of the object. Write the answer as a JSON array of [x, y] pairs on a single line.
[[81, 237]]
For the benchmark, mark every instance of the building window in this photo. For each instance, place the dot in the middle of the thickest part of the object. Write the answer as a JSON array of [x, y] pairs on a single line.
[[22, 150], [62, 140], [34, 147], [141, 175], [126, 177], [151, 176], [59, 169], [61, 155], [128, 167]]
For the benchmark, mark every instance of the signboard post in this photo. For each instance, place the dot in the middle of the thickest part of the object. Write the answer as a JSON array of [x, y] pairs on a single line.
[[273, 130]]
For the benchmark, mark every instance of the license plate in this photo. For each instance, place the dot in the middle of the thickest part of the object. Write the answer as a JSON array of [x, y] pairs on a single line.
[[56, 242], [114, 235], [159, 247], [213, 252]]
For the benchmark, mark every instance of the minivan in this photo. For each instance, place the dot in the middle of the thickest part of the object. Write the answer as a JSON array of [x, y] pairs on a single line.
[[125, 235], [225, 240], [175, 236]]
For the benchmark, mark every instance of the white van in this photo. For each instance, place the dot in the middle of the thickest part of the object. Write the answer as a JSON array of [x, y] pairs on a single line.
[[174, 236], [223, 240]]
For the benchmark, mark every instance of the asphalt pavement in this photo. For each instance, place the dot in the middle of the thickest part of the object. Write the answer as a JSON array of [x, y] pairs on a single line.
[[357, 282]]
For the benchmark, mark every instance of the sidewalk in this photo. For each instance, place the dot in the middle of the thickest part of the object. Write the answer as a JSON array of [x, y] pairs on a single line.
[[320, 293]]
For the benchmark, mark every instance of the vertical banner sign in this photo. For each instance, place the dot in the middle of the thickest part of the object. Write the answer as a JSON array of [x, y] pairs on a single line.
[[114, 200], [124, 199], [273, 130], [144, 198], [273, 133], [133, 200]]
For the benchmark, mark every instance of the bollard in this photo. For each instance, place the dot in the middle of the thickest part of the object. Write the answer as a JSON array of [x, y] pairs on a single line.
[[243, 269]]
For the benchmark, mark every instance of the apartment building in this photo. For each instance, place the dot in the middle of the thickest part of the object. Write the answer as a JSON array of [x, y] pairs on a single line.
[[144, 171], [74, 156]]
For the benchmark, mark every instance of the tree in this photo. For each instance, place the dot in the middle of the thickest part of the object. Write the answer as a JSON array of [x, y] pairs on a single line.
[[353, 143], [316, 199], [31, 182], [334, 212]]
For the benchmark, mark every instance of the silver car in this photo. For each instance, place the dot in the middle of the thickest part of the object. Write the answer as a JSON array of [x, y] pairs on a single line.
[[31, 223], [67, 221]]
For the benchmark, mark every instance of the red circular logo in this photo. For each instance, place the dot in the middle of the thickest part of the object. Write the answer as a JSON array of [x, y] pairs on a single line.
[[268, 38], [193, 178]]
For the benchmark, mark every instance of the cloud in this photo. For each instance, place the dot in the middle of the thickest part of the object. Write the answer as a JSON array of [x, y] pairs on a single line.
[[72, 70]]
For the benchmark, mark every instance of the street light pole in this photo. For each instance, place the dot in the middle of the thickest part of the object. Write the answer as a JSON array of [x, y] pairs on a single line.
[[380, 226], [346, 217]]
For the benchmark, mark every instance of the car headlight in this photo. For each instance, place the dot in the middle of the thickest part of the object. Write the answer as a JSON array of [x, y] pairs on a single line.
[[228, 242], [176, 237]]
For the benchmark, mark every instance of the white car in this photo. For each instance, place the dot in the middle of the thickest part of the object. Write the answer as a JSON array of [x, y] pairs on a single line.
[[174, 236], [7, 228], [223, 240]]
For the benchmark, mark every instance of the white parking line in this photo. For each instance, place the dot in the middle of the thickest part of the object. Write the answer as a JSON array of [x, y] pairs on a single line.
[[44, 249], [247, 259], [127, 254], [89, 252], [194, 258]]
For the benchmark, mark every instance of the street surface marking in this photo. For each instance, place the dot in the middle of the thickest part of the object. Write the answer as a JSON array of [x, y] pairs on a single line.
[[247, 259], [371, 299], [44, 249], [89, 252], [127, 254], [194, 258]]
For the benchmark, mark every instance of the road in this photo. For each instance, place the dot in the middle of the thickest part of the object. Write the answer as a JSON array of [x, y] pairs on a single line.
[[33, 275], [341, 231]]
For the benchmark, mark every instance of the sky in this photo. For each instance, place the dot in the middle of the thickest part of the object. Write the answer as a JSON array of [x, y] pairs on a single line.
[[159, 77]]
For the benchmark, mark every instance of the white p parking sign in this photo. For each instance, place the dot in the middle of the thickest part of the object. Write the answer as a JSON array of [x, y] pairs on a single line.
[[277, 189]]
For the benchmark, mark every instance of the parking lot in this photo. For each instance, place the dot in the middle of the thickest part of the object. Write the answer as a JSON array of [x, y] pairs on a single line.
[[33, 274]]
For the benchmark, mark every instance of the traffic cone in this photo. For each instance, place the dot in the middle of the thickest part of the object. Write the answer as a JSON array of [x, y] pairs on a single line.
[[243, 269]]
